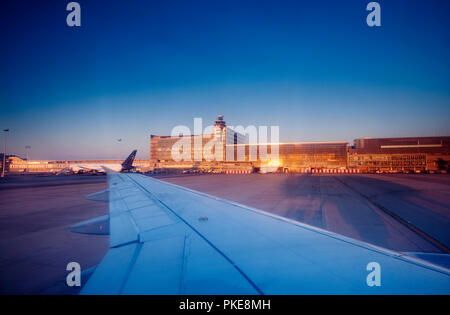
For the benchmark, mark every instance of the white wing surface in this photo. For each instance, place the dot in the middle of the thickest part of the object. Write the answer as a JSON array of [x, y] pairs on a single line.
[[167, 239]]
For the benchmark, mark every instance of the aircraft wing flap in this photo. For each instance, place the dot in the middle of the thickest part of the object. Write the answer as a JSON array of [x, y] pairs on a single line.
[[173, 261], [149, 273], [111, 274], [133, 212], [123, 230]]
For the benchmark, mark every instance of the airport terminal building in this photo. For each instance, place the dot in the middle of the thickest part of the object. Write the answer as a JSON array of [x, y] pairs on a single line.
[[411, 154], [400, 154], [292, 157]]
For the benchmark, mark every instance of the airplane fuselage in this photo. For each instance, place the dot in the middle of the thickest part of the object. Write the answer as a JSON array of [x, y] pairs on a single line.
[[95, 167]]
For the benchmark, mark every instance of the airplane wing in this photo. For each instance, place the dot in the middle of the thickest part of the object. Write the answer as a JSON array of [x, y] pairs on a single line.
[[167, 239]]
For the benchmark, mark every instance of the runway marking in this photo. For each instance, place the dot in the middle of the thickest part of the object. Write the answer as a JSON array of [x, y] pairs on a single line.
[[399, 219], [50, 184]]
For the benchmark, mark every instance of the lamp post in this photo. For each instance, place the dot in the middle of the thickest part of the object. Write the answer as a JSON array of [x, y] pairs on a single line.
[[119, 141], [4, 151]]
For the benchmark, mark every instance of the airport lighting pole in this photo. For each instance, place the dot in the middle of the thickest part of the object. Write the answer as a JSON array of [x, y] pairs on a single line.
[[119, 141], [4, 151]]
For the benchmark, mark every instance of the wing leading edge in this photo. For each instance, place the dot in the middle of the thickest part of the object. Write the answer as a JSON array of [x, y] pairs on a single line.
[[166, 239]]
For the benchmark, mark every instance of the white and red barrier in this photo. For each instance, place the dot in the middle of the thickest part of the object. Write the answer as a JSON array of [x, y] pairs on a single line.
[[314, 171], [237, 172], [333, 171]]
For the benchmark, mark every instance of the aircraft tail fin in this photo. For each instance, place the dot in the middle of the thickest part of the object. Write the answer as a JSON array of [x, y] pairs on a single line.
[[128, 163]]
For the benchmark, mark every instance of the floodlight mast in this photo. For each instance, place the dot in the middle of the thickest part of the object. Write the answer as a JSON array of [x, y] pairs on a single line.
[[4, 152]]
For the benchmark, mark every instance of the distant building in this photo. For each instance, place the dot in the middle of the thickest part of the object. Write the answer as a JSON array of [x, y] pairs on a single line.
[[303, 156], [292, 157], [367, 155], [399, 154], [411, 154], [161, 150], [226, 134]]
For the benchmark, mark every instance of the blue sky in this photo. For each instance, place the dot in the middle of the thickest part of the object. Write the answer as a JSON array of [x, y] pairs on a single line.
[[136, 68]]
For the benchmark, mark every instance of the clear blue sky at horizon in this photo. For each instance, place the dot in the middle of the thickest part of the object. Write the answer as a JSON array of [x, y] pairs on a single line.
[[137, 68]]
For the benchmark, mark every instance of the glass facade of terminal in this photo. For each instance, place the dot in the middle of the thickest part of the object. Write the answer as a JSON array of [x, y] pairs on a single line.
[[400, 154], [321, 155], [367, 155], [291, 156]]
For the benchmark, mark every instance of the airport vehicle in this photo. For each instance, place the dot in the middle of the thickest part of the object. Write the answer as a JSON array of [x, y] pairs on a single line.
[[167, 239], [87, 168]]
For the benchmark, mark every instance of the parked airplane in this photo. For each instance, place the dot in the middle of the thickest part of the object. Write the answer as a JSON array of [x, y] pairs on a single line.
[[126, 166], [167, 239]]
